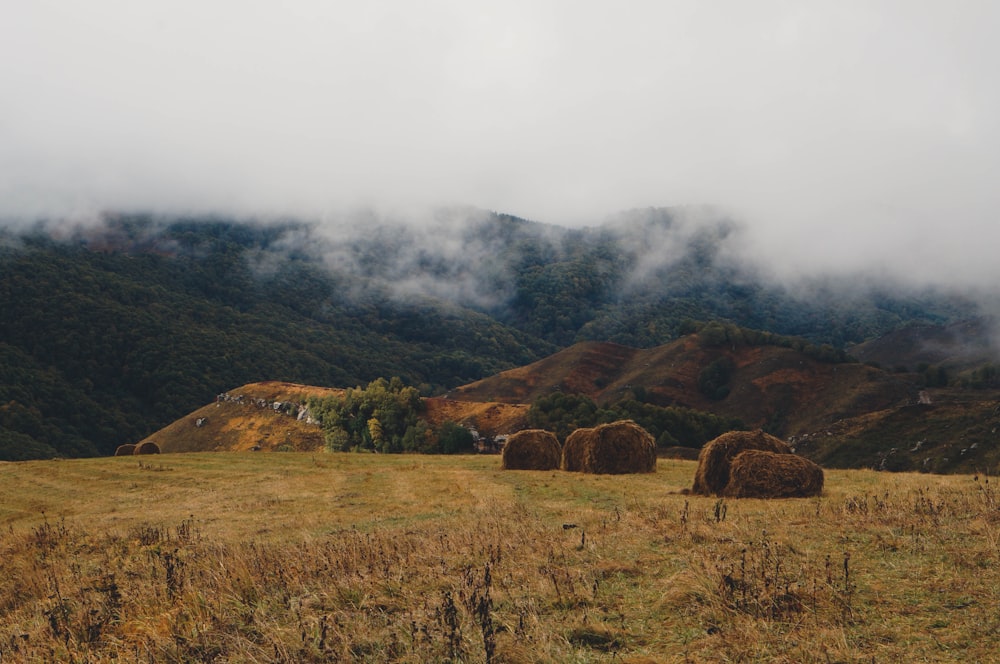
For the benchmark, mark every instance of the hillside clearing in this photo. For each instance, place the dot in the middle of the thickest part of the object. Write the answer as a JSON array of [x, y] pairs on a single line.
[[319, 557]]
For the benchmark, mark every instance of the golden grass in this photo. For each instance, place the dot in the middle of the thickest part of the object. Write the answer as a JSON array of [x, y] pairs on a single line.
[[350, 557], [489, 417]]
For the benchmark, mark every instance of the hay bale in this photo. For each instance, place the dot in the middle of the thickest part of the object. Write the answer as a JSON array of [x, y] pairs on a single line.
[[712, 474], [148, 447], [760, 474], [125, 450], [614, 449], [573, 448], [531, 449]]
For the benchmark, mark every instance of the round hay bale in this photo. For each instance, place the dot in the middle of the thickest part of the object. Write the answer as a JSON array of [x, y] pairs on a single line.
[[531, 449], [621, 447], [760, 474], [613, 449], [148, 447], [125, 450], [573, 450], [712, 474]]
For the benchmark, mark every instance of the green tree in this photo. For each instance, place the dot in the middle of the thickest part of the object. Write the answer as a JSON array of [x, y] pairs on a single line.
[[375, 432], [563, 413], [383, 417], [337, 439], [453, 438], [713, 379]]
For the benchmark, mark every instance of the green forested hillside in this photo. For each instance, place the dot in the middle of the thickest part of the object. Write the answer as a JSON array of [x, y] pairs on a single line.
[[103, 347], [113, 330]]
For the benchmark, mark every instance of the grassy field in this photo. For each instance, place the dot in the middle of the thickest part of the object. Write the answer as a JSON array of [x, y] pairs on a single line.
[[344, 557]]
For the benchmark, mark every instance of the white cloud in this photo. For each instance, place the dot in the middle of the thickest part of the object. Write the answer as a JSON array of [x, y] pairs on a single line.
[[846, 134]]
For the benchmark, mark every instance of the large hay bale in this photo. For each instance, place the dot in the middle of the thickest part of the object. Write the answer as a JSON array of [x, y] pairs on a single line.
[[531, 449], [712, 474], [125, 450], [760, 474], [148, 447], [613, 449]]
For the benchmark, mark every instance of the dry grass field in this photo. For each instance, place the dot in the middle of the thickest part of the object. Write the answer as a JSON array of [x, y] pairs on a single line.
[[297, 557]]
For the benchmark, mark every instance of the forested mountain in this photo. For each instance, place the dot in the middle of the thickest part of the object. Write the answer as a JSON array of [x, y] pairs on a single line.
[[635, 280], [102, 346], [111, 330]]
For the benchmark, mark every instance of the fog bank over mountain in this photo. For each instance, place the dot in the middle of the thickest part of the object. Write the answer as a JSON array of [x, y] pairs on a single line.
[[475, 257], [457, 253], [842, 137]]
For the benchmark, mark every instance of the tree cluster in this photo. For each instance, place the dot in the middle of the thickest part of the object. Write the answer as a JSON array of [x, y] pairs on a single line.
[[563, 413], [385, 417]]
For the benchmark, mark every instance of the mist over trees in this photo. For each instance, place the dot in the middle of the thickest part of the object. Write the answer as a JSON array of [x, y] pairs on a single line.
[[114, 329], [631, 280]]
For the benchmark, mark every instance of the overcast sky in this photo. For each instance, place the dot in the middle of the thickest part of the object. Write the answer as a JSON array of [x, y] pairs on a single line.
[[842, 133]]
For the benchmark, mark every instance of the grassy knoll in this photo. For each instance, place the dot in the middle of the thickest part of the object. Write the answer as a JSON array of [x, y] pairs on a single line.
[[347, 557]]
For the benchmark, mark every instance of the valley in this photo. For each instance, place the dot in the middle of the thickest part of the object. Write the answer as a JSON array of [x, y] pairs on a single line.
[[130, 327]]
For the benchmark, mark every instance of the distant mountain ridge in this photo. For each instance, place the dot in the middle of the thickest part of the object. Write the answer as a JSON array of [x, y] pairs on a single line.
[[115, 329], [957, 347]]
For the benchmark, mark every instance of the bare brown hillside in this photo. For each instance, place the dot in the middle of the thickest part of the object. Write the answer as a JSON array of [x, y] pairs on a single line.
[[770, 386], [584, 368], [489, 418]]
